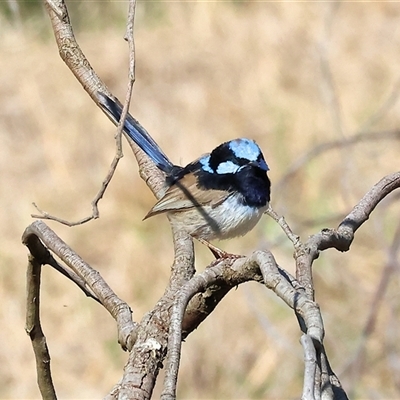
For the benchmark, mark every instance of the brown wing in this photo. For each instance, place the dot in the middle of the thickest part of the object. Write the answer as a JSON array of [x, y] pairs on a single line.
[[184, 195]]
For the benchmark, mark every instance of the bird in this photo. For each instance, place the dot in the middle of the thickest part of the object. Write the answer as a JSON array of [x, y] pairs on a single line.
[[220, 195]]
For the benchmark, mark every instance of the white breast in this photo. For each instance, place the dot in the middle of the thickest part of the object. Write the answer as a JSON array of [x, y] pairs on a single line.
[[229, 219], [235, 219]]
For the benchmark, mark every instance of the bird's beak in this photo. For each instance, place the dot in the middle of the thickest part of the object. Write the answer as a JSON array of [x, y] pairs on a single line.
[[260, 164]]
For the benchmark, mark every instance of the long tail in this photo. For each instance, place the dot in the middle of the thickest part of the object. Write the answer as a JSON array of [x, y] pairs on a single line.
[[137, 133]]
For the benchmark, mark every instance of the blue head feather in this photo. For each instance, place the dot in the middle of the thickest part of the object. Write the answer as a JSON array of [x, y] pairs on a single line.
[[248, 149]]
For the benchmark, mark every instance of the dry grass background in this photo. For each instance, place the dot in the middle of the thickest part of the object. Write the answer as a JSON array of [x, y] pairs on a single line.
[[206, 72]]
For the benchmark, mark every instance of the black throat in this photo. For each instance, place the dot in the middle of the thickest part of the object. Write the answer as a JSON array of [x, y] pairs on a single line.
[[251, 182]]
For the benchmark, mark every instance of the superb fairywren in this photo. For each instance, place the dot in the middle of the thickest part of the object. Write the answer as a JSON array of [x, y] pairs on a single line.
[[220, 195]]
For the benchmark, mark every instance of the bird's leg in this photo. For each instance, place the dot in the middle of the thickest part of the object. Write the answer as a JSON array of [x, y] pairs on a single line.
[[217, 252]]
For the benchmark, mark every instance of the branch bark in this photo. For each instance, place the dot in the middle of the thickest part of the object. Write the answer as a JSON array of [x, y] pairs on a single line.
[[38, 233], [34, 329]]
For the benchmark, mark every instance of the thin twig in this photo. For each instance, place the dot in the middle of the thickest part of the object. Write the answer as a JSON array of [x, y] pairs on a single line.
[[384, 108], [79, 65], [95, 210], [328, 81], [280, 220], [320, 149]]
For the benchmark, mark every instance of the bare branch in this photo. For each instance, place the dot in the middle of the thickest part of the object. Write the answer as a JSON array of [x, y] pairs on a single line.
[[76, 61], [34, 330], [120, 311], [342, 237], [228, 273], [384, 108], [356, 363], [43, 256], [328, 81], [280, 220], [131, 41], [69, 49], [330, 386], [322, 148], [310, 363], [197, 284], [95, 213], [73, 56], [366, 205]]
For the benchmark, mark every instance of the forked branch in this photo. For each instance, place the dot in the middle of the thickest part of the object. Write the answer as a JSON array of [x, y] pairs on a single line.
[[39, 239]]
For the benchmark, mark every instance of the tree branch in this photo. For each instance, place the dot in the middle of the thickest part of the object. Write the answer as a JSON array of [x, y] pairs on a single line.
[[356, 363], [310, 367], [320, 149], [120, 311], [226, 274], [190, 298], [342, 237], [34, 329], [74, 58]]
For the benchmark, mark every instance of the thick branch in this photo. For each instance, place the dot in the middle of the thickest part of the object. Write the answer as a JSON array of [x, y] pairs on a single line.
[[226, 274], [310, 367], [34, 330]]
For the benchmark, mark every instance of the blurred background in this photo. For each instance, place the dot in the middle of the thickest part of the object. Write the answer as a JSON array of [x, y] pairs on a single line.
[[315, 84]]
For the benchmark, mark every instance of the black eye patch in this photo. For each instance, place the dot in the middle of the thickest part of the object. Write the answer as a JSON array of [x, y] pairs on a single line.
[[223, 153]]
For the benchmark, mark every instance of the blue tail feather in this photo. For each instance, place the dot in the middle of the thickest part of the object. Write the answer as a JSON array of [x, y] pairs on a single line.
[[137, 133]]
